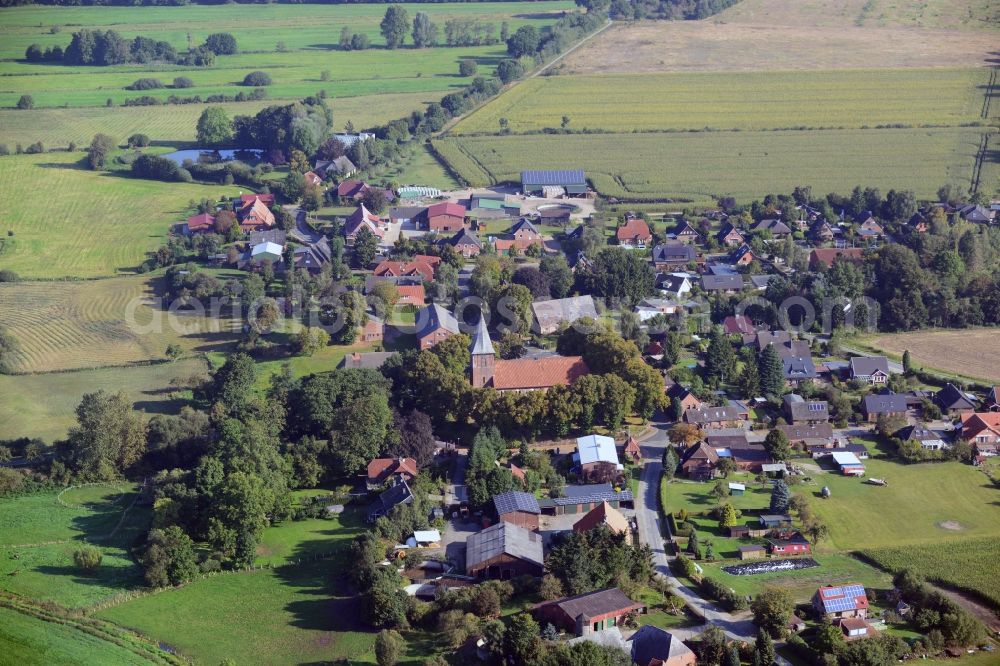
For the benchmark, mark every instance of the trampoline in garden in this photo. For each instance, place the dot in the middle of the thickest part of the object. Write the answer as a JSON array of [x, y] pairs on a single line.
[[772, 566]]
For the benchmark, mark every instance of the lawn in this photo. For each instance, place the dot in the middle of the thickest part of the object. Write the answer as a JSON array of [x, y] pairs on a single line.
[[700, 165], [58, 219], [28, 641], [295, 539], [43, 405], [175, 124], [98, 323], [923, 504], [744, 101], [38, 534]]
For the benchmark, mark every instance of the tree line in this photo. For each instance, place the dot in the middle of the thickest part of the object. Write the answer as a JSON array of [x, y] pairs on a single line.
[[107, 47]]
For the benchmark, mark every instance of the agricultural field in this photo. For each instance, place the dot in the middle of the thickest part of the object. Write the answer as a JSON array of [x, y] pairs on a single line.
[[41, 531], [773, 35], [59, 219], [30, 641], [946, 350], [698, 166], [101, 323], [43, 405], [968, 565], [174, 125], [745, 101]]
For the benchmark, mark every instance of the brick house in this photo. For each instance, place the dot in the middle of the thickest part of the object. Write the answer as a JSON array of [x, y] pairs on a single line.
[[442, 218], [589, 613], [434, 324], [841, 601], [381, 470]]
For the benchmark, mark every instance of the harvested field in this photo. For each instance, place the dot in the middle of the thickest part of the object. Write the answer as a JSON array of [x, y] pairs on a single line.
[[948, 350], [966, 15], [100, 323], [755, 101]]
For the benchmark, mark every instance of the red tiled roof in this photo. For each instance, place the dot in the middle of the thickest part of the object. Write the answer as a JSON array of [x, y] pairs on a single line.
[[634, 229], [445, 208], [516, 472], [405, 268], [737, 324], [380, 468], [536, 373], [411, 294], [827, 255], [351, 188], [267, 199], [201, 222], [603, 514], [312, 178], [975, 423]]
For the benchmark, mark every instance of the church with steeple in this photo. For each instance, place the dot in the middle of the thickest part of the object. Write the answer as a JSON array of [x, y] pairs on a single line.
[[522, 374]]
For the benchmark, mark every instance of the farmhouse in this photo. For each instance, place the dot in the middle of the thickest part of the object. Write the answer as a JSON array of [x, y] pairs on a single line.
[[889, 405], [634, 233], [870, 369], [792, 544], [518, 508], [381, 470], [589, 613], [551, 183], [254, 215], [848, 463], [652, 646], [522, 374], [434, 323], [550, 314], [360, 219], [597, 456], [603, 514], [442, 218], [504, 551], [840, 601]]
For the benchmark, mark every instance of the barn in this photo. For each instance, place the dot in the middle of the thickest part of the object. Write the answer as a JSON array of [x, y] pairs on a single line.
[[504, 551], [537, 182]]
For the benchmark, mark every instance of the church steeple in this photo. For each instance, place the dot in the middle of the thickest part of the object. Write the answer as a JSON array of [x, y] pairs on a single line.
[[483, 355]]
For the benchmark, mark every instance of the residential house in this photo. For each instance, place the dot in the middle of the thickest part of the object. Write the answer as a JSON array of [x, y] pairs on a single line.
[[977, 213], [789, 544], [411, 294], [504, 551], [752, 552], [360, 219], [465, 243], [992, 402], [312, 179], [673, 284], [589, 613], [201, 223], [868, 227], [670, 256], [810, 435], [442, 218], [823, 257], [841, 601], [799, 410], [738, 325], [742, 256], [553, 182], [653, 307], [434, 323], [798, 369], [266, 199], [351, 189], [953, 401], [339, 167], [889, 405], [722, 284], [388, 500], [631, 449], [314, 256], [421, 267], [714, 417], [652, 646], [822, 232], [730, 236], [848, 463], [634, 233], [926, 438], [919, 222], [685, 397], [518, 508], [685, 233], [747, 456], [254, 215], [870, 369], [982, 430], [396, 470], [549, 315], [597, 456], [606, 515], [776, 227], [521, 374], [522, 235], [698, 461]]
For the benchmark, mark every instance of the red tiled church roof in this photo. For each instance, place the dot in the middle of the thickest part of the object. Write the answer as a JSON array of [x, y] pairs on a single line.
[[536, 373]]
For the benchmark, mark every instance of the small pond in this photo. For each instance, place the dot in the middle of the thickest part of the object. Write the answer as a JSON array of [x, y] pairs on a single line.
[[223, 155]]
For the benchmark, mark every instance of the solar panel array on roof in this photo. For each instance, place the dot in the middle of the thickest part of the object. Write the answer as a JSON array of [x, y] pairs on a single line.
[[843, 598], [623, 496], [553, 177], [516, 501]]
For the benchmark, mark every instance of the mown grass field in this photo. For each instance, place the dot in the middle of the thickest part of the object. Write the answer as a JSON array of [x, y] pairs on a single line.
[[43, 405], [745, 101], [68, 221], [39, 535], [29, 641], [174, 125], [968, 565], [946, 350], [701, 165], [309, 33], [99, 323]]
